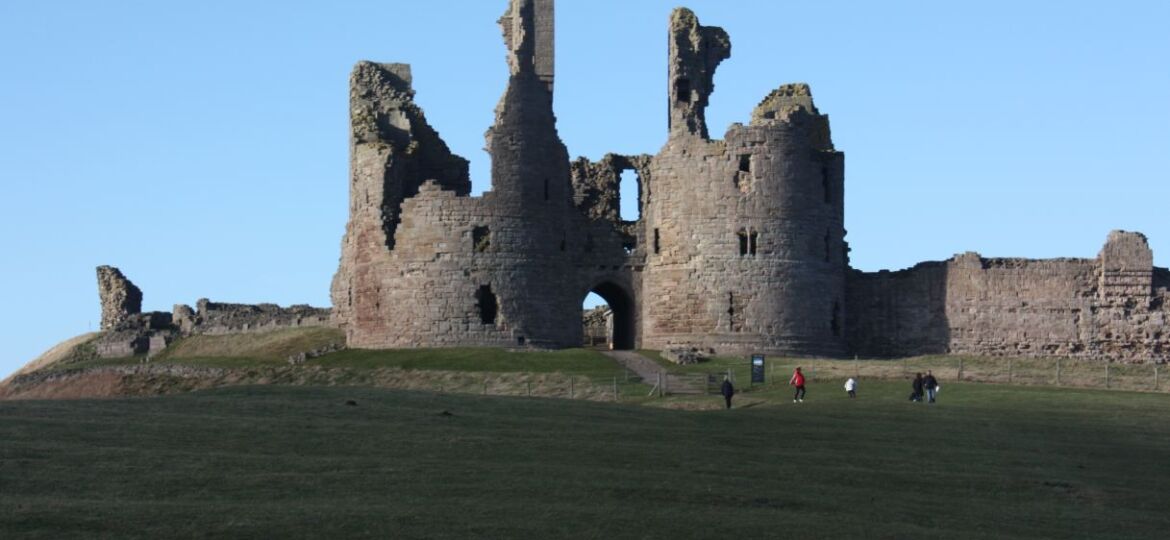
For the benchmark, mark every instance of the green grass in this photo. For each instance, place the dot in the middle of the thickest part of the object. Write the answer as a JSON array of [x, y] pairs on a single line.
[[275, 462], [273, 347], [582, 362]]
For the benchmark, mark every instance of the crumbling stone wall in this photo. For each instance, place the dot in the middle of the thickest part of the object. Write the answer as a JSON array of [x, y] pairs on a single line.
[[218, 318], [1095, 308], [119, 297], [126, 331], [509, 268]]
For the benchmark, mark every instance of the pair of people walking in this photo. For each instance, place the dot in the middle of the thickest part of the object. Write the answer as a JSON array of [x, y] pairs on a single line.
[[924, 387]]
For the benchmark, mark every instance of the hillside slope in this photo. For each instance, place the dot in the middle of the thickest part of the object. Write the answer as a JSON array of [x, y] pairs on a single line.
[[277, 462]]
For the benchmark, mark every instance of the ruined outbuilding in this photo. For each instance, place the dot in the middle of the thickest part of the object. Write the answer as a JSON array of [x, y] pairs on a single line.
[[740, 245]]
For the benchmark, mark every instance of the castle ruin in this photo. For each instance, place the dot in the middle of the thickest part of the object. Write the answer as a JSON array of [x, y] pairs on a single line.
[[740, 245]]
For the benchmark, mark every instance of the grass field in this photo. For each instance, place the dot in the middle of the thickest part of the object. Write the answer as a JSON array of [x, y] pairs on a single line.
[[277, 462]]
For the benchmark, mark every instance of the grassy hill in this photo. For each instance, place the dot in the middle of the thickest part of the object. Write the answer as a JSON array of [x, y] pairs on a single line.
[[275, 462]]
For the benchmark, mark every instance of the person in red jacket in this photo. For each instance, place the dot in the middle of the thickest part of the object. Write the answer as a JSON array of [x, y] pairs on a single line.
[[797, 380]]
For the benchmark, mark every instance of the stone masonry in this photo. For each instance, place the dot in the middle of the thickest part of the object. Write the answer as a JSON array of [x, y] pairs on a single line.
[[740, 245], [119, 297], [126, 331]]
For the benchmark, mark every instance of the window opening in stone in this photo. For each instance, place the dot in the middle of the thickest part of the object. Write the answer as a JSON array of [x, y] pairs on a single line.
[[629, 247], [481, 238], [743, 177], [520, 340], [657, 241], [743, 242], [835, 323], [752, 239], [682, 90], [564, 243], [608, 318], [826, 186], [730, 312], [485, 302], [629, 207]]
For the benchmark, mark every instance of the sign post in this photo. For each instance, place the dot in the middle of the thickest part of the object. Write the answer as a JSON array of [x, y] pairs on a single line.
[[757, 369]]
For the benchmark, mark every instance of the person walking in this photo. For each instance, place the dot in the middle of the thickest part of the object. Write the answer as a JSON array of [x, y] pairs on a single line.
[[916, 394], [930, 384], [797, 380], [851, 387], [728, 390]]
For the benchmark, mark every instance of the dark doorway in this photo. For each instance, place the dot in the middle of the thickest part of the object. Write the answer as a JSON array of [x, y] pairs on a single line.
[[621, 308]]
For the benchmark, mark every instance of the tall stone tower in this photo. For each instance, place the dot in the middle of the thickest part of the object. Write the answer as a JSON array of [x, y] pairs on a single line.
[[748, 236], [740, 245]]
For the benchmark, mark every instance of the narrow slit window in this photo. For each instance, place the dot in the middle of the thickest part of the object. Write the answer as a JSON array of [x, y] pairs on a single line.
[[657, 241], [745, 163], [826, 186], [753, 239], [743, 242], [730, 312]]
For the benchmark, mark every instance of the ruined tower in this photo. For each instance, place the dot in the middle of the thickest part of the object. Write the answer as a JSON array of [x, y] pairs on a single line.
[[749, 250], [423, 263], [740, 246]]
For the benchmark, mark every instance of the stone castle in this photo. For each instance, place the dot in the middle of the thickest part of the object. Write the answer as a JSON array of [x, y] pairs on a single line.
[[740, 246]]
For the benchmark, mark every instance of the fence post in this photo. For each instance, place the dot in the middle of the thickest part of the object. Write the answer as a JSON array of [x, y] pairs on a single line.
[[960, 368], [1057, 372], [485, 386], [615, 389], [659, 385], [857, 367], [1155, 378], [1011, 368], [1107, 374], [572, 387], [528, 388]]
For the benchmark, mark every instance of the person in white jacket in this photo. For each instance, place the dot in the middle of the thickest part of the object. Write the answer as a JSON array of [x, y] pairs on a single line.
[[851, 387]]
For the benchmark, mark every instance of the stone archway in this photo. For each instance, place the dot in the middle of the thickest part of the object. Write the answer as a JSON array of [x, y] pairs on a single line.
[[621, 303]]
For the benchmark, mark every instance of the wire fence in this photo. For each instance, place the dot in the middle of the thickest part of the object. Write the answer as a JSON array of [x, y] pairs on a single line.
[[1059, 372]]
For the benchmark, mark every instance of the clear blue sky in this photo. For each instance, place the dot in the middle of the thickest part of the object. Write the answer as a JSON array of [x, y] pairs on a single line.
[[202, 146]]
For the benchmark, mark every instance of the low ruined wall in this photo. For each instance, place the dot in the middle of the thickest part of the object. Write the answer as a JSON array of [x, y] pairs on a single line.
[[1112, 307], [217, 318]]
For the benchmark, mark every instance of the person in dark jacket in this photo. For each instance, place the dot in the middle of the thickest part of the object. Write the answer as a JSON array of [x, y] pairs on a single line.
[[930, 384], [728, 390], [917, 385]]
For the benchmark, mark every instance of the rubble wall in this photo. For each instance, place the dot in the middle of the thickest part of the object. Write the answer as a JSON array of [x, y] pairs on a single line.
[[1109, 307]]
